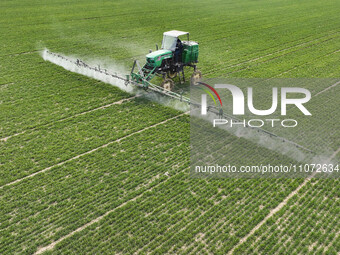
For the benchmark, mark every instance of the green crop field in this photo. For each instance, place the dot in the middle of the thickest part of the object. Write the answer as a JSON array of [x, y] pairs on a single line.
[[86, 168]]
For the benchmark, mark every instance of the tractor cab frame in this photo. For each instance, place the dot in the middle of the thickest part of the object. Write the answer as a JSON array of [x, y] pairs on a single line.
[[171, 38], [169, 61]]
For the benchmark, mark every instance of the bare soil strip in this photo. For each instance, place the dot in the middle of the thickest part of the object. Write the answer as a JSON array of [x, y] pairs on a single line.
[[90, 151], [53, 244], [6, 84], [4, 139], [334, 154], [278, 51], [295, 67], [271, 59], [20, 53], [99, 108], [278, 208], [332, 86]]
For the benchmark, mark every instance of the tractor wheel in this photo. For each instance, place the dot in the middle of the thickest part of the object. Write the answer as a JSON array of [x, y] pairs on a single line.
[[168, 84], [195, 78], [172, 74]]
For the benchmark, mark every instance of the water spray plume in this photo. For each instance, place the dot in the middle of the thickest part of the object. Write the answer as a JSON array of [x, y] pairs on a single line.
[[114, 74], [69, 64]]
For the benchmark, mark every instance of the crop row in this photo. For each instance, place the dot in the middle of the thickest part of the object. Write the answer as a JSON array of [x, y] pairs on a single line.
[[170, 219], [52, 204], [301, 53], [174, 214], [42, 209], [306, 59], [51, 100], [307, 225], [318, 132], [239, 22], [54, 143]]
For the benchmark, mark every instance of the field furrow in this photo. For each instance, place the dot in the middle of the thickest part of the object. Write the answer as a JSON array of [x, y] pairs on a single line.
[[86, 168]]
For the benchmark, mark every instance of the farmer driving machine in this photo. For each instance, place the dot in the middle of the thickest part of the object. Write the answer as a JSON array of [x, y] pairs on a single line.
[[169, 61]]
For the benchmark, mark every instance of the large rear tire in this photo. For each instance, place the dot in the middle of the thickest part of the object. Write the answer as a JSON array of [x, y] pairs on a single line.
[[195, 78], [168, 84]]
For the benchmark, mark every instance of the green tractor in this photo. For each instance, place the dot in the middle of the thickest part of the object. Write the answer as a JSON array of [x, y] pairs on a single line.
[[169, 61]]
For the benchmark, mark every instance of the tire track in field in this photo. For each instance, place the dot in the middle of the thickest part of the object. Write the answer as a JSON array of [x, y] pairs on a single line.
[[244, 61], [328, 88], [53, 244], [234, 65], [203, 230], [333, 242], [52, 94], [90, 151], [169, 229], [278, 208], [334, 154], [20, 53], [6, 84], [285, 54], [48, 96], [279, 51], [331, 32], [76, 19], [4, 139], [295, 67]]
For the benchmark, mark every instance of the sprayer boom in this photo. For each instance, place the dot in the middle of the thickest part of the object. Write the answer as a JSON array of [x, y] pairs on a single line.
[[142, 81], [127, 80]]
